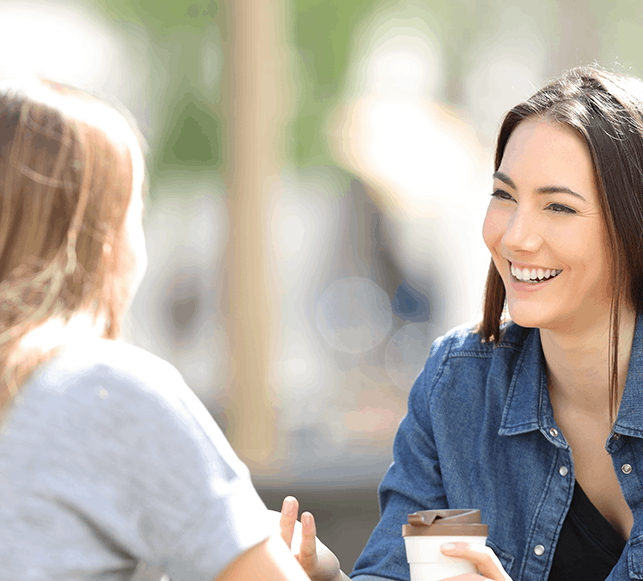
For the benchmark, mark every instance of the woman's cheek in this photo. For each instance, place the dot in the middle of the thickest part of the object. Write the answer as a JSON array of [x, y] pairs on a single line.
[[494, 227]]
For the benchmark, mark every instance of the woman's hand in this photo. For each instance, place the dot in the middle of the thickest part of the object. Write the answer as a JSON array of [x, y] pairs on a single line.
[[482, 557], [317, 559]]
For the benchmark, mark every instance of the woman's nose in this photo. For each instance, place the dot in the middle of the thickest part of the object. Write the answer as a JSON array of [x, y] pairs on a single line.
[[522, 233]]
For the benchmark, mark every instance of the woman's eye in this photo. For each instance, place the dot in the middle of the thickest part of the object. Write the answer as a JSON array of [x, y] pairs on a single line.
[[560, 209], [501, 195]]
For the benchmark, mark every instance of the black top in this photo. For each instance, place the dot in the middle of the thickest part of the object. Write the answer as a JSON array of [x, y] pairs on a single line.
[[588, 546]]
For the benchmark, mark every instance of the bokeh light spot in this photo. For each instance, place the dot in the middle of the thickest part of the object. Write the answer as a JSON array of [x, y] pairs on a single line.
[[407, 351], [354, 314]]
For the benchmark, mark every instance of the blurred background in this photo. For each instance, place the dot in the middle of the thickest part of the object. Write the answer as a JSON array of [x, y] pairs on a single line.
[[318, 176]]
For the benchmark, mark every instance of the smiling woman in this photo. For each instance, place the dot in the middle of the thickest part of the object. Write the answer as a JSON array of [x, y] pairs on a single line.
[[603, 113], [535, 418]]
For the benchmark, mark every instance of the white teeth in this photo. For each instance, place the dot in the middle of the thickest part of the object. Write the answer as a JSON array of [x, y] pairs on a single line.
[[534, 275]]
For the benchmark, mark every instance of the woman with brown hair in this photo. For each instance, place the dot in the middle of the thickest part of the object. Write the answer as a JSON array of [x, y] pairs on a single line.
[[107, 459], [537, 420]]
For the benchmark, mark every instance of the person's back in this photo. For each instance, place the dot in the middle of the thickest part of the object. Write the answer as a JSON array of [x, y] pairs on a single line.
[[107, 459]]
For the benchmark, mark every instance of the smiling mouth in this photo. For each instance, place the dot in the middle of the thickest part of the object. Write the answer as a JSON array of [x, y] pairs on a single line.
[[533, 275]]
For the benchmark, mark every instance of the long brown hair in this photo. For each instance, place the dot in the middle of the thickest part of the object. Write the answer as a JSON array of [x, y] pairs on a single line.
[[606, 110], [68, 162]]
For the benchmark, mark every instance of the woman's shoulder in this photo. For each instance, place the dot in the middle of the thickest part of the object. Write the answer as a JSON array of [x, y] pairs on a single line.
[[464, 356], [117, 357], [105, 362], [109, 394], [105, 427], [461, 365], [466, 341], [109, 377]]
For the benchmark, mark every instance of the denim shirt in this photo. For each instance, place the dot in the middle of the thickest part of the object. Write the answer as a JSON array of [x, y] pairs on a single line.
[[480, 433]]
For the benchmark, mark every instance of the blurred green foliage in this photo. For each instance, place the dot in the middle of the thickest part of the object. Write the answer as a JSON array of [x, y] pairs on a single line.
[[323, 30], [324, 36], [193, 139], [190, 137], [161, 16], [322, 33]]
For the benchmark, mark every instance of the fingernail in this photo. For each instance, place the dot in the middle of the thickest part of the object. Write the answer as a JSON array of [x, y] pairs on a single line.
[[448, 547]]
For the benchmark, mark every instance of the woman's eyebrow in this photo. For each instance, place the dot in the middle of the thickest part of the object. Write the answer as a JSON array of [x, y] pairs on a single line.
[[503, 177], [559, 190]]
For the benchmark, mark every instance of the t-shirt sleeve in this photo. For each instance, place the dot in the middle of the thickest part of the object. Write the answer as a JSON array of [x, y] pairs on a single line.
[[131, 455], [413, 481]]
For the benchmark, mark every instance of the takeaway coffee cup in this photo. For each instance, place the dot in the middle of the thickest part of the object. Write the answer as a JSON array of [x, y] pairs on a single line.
[[428, 530]]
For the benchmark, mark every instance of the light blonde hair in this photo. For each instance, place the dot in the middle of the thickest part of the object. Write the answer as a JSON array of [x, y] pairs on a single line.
[[68, 165]]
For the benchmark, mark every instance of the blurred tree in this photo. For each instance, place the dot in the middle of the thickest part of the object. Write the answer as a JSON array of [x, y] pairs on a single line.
[[258, 104], [324, 37]]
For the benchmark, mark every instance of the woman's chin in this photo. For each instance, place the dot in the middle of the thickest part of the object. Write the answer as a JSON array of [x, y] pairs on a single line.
[[529, 318]]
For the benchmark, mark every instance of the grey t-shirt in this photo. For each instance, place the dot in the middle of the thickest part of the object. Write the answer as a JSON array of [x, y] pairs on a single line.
[[108, 459]]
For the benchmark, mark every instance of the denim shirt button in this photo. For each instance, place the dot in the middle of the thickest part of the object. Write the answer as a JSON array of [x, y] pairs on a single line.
[[563, 471], [539, 550], [554, 433], [626, 468]]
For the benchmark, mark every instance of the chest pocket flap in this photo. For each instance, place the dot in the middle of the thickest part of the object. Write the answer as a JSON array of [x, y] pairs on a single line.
[[634, 550], [506, 560]]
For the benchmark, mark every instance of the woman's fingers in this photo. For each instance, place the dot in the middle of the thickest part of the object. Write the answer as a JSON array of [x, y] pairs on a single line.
[[316, 559], [308, 549], [481, 556], [289, 511]]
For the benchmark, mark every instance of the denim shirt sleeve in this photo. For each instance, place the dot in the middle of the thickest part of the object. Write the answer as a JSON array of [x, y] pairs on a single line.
[[413, 481]]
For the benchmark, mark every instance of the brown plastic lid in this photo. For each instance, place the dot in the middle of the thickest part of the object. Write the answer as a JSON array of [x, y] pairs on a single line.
[[445, 522]]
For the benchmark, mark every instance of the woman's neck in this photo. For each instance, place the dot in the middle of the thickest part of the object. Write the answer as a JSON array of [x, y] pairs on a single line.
[[56, 332], [578, 364]]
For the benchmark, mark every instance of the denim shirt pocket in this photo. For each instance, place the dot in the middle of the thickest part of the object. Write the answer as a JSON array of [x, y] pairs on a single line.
[[506, 560], [634, 550]]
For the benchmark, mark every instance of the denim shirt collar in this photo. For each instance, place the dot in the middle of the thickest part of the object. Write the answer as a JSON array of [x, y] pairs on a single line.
[[629, 420], [529, 409]]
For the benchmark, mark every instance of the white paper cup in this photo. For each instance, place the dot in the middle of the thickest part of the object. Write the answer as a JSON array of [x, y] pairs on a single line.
[[428, 563], [428, 530]]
